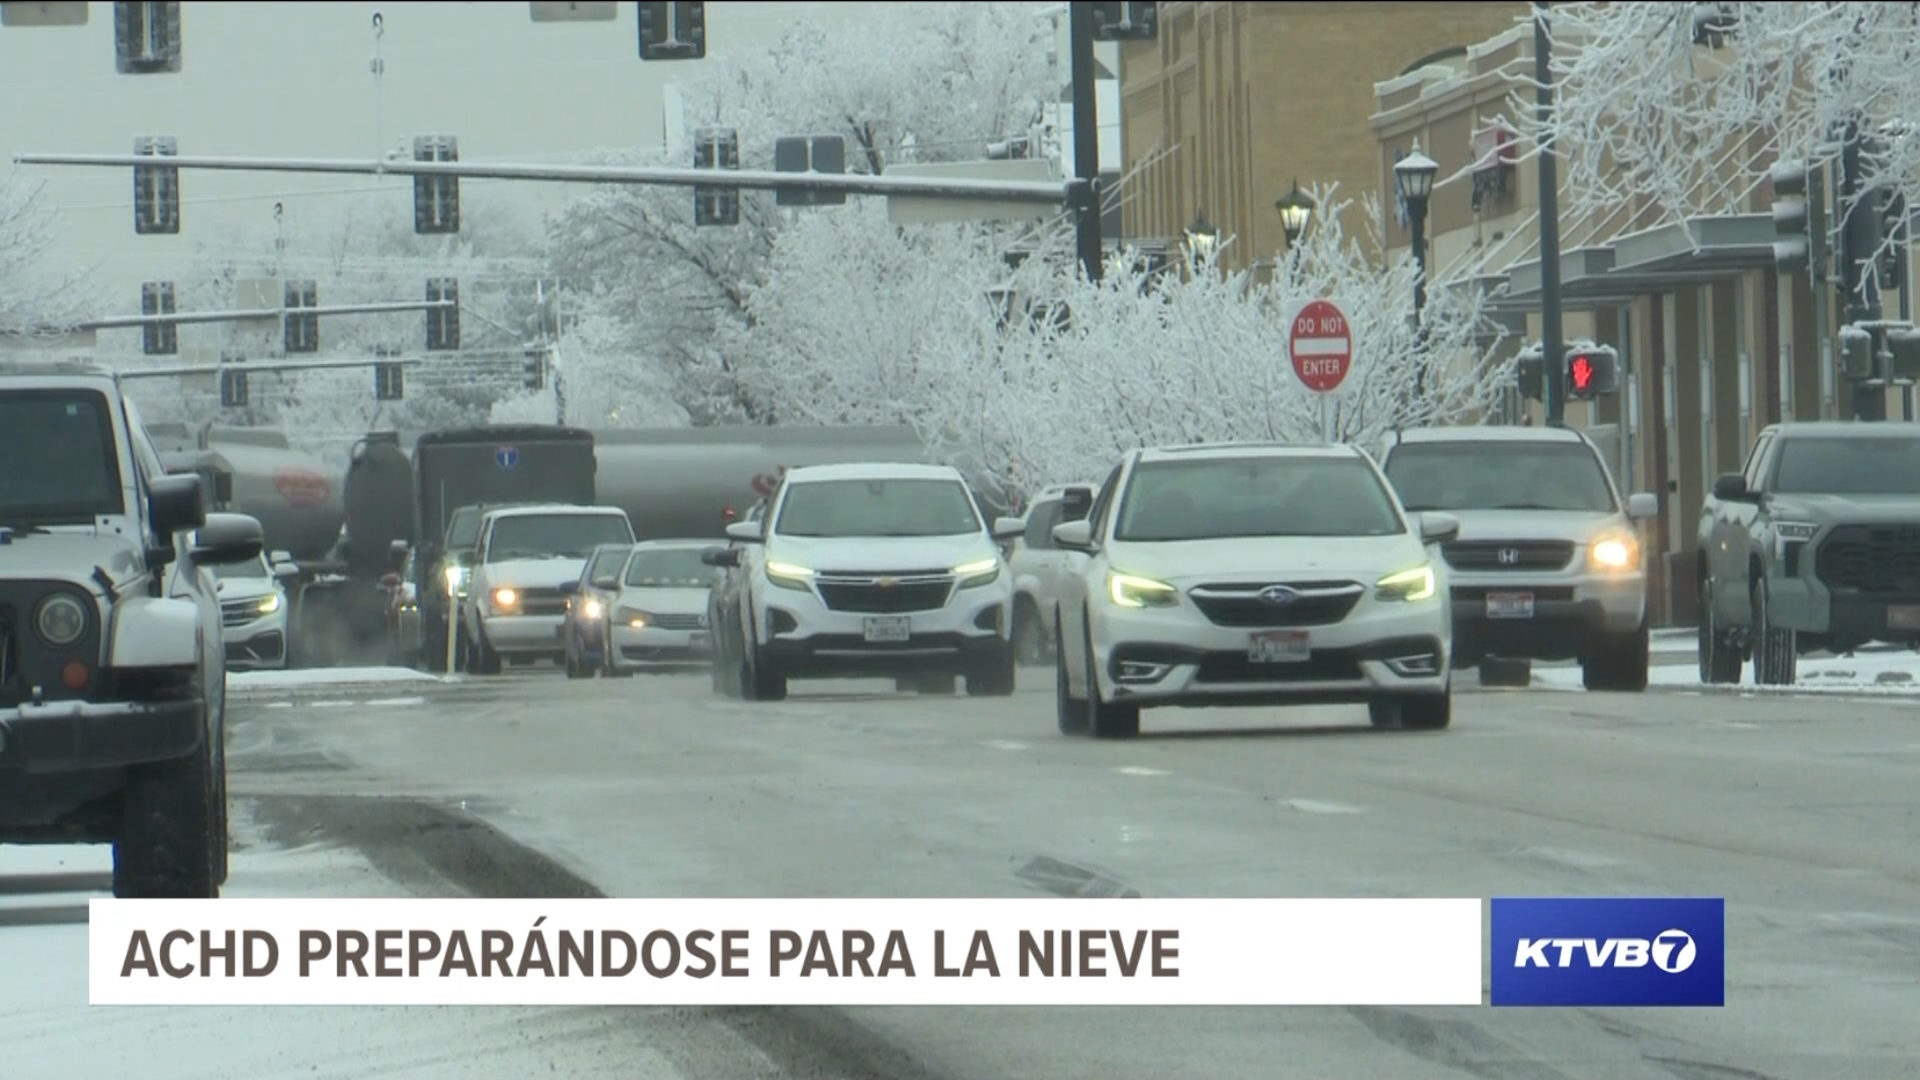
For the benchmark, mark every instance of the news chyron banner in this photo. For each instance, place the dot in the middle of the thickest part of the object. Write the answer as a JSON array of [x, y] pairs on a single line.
[[1596, 952], [1401, 952]]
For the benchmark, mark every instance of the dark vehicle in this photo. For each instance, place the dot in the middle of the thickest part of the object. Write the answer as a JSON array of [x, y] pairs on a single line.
[[1814, 545], [341, 610], [483, 468]]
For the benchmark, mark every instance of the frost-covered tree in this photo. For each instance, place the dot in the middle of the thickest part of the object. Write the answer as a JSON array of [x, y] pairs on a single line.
[[34, 296], [914, 82], [1038, 376], [367, 255], [1680, 108]]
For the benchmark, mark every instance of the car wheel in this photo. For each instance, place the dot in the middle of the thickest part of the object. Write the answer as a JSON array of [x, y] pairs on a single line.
[[1776, 652], [1720, 660], [167, 847], [1108, 721], [1029, 634], [1071, 712]]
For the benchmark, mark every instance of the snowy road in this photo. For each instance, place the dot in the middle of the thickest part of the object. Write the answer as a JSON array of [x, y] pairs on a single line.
[[1800, 810]]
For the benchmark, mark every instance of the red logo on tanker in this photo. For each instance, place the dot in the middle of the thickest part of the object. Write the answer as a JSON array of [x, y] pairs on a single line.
[[764, 483], [303, 488]]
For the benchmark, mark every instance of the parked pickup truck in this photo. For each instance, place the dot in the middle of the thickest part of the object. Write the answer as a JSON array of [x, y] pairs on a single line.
[[1814, 545]]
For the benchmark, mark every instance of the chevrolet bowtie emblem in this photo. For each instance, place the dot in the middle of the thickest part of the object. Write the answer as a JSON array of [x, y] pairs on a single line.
[[887, 582]]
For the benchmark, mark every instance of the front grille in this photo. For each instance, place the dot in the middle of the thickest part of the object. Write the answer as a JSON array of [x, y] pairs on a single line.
[[1871, 559], [1316, 603], [1508, 555], [900, 594], [239, 612], [1236, 668], [542, 602], [680, 622]]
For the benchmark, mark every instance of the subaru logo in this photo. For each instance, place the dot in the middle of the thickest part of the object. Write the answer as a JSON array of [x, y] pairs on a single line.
[[1509, 556], [506, 456], [1279, 595]]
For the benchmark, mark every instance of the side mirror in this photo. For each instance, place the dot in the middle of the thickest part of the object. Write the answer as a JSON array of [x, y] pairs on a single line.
[[569, 587], [390, 580], [722, 557], [228, 539], [1731, 485], [746, 532], [176, 504], [1439, 528], [1645, 505], [1074, 535], [1009, 528]]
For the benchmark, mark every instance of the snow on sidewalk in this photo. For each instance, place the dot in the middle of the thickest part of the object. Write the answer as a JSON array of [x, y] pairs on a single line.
[[1895, 674], [325, 678]]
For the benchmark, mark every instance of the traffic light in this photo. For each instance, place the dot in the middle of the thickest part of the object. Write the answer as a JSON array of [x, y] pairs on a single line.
[[301, 332], [443, 323], [1856, 352], [156, 188], [389, 384], [1799, 219], [815, 153], [536, 369], [158, 338], [436, 199], [1530, 373], [1592, 370], [146, 37], [233, 381], [1903, 345], [673, 30], [716, 148], [1125, 22]]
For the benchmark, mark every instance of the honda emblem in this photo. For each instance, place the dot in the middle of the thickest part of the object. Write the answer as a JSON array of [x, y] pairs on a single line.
[[1509, 556]]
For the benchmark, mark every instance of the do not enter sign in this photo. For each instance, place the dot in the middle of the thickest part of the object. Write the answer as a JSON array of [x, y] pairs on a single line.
[[1320, 345]]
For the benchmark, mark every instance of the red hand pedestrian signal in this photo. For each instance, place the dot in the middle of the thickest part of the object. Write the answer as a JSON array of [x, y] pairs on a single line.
[[1582, 372], [1591, 371]]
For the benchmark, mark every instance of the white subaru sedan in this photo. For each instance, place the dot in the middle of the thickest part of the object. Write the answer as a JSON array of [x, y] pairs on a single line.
[[1252, 574]]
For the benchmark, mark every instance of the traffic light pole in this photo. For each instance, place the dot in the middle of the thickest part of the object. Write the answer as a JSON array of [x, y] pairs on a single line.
[[1551, 344], [1860, 246], [1085, 194]]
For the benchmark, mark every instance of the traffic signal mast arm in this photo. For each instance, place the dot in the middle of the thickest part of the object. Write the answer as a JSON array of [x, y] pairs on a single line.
[[125, 322], [1012, 191]]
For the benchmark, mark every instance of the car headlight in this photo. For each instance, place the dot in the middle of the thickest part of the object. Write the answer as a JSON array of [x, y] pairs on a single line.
[[1794, 532], [505, 599], [1615, 551], [1413, 584], [269, 603], [632, 618], [789, 576], [592, 609], [456, 578], [1132, 591], [60, 620], [976, 573]]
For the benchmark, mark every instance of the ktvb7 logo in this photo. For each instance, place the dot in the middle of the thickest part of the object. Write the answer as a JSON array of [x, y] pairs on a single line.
[[1671, 951]]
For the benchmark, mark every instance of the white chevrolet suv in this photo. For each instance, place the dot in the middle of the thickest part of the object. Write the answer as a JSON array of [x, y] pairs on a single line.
[[868, 571], [1252, 574]]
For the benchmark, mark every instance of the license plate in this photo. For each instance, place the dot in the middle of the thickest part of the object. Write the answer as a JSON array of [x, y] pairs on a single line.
[[1903, 617], [888, 628], [1279, 647], [1510, 605], [697, 640]]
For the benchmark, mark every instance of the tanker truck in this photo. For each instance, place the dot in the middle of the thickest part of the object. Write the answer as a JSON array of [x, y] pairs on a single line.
[[342, 613], [297, 497]]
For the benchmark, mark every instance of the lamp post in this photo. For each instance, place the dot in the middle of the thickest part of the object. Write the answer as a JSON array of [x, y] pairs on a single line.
[[1413, 183], [1296, 209], [1201, 237]]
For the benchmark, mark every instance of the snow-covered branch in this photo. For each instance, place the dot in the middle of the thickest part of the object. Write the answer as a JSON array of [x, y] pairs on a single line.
[[34, 297]]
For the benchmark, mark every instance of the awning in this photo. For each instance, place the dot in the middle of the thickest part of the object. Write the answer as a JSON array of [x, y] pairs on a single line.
[[1696, 251]]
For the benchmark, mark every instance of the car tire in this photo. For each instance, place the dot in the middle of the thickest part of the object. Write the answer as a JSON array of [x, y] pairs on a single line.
[[1071, 711], [1776, 652], [483, 660], [996, 677], [1412, 712], [223, 828], [1108, 720], [1720, 659], [168, 846], [761, 683], [1619, 662], [1029, 634]]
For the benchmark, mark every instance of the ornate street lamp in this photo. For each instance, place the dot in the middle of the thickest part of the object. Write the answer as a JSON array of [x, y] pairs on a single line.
[[1296, 209]]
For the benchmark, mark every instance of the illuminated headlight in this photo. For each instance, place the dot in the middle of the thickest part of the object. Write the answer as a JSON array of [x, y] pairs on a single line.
[[979, 572], [1131, 591], [60, 620], [592, 609], [632, 618], [789, 576], [1411, 585], [1616, 552], [270, 603], [505, 599], [456, 577]]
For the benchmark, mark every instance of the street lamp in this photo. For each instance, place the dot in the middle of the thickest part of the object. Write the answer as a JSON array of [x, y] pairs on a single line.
[[1201, 237], [1296, 209], [1413, 182]]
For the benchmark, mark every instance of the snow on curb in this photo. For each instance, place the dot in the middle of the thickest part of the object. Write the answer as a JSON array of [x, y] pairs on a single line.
[[314, 680], [1887, 674]]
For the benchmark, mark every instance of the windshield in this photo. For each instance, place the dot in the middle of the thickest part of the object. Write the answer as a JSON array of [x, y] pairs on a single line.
[[669, 568], [1217, 498], [878, 508], [1848, 466], [1499, 476], [58, 448], [555, 536], [254, 570]]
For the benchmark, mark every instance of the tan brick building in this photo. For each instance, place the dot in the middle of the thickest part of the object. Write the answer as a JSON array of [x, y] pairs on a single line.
[[1235, 101]]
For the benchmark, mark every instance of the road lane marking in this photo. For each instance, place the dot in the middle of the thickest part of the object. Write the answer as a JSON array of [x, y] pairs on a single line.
[[392, 702], [1314, 806], [1004, 744], [331, 704], [1585, 860], [1140, 770]]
